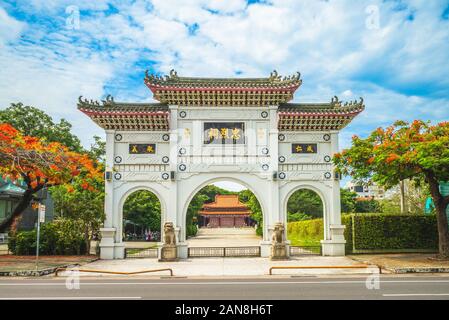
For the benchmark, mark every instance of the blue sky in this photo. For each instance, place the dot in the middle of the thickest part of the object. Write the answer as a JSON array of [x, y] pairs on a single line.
[[395, 54]]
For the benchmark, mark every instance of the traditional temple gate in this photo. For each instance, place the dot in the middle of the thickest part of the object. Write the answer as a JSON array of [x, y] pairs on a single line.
[[204, 130]]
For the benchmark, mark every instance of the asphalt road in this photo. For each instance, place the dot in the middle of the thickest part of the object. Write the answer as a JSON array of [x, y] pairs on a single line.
[[348, 287]]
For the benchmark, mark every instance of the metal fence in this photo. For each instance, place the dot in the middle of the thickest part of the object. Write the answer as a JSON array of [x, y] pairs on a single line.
[[305, 251], [134, 253], [199, 252]]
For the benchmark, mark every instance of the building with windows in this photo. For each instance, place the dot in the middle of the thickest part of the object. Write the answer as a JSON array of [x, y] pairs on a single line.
[[10, 195]]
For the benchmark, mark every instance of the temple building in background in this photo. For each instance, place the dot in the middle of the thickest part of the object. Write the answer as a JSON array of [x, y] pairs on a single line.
[[225, 212]]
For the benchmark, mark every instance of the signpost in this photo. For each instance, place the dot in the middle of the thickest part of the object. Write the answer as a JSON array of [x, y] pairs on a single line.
[[40, 218]]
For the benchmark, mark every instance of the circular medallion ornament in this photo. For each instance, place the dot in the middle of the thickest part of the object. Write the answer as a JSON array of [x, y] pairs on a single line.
[[326, 137], [281, 137], [281, 159], [165, 176], [328, 175], [265, 167], [282, 175], [183, 114], [118, 137], [118, 159], [327, 158], [165, 159], [264, 114], [182, 167], [182, 151], [166, 137], [265, 151], [117, 176]]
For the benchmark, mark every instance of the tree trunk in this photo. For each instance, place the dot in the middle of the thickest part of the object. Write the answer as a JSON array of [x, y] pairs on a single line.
[[402, 192], [440, 206], [17, 213], [87, 240]]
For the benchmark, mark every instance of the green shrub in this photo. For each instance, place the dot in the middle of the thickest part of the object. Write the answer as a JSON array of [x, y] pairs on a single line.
[[371, 231], [192, 230], [259, 230], [60, 237], [377, 231], [306, 232]]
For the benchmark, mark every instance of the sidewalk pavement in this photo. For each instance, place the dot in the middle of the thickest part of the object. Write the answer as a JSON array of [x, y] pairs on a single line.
[[228, 266], [405, 262]]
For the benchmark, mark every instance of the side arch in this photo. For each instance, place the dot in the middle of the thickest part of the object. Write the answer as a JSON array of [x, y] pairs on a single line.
[[323, 192], [124, 194]]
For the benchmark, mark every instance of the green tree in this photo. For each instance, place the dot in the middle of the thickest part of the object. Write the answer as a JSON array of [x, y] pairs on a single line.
[[82, 201], [144, 209], [98, 149], [404, 151], [348, 200], [34, 122], [367, 206], [250, 199], [306, 202]]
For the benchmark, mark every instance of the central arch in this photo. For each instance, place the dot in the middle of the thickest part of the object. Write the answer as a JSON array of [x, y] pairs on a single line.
[[246, 181]]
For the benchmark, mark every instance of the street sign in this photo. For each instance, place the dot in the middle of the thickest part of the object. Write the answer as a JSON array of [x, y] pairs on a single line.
[[41, 213]]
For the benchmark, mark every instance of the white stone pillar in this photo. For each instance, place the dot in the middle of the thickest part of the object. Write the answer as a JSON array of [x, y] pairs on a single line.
[[109, 235], [334, 244], [174, 214], [274, 213]]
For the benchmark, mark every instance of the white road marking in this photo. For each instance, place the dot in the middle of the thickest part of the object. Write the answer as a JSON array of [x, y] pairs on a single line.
[[70, 298], [220, 283], [414, 294]]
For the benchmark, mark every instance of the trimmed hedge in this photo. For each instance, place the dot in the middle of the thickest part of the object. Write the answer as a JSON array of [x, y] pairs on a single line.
[[371, 232], [306, 232], [60, 237]]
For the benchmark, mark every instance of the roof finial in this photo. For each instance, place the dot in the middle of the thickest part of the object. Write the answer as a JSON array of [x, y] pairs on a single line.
[[173, 74]]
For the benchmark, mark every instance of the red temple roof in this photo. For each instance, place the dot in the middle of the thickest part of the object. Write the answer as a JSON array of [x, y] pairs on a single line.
[[228, 204]]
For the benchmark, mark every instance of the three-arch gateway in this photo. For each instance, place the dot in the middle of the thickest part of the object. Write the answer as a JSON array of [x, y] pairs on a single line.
[[207, 129]]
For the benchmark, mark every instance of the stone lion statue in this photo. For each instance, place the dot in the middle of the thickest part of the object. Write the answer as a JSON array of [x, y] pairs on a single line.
[[169, 234], [278, 233]]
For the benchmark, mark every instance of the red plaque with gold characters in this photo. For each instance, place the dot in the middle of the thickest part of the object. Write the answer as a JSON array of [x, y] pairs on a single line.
[[142, 148], [224, 133], [304, 148]]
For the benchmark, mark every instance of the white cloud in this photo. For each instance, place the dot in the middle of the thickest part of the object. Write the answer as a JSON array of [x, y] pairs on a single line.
[[400, 68], [10, 28]]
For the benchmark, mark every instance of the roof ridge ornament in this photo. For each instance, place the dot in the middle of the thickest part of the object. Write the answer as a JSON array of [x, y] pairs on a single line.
[[109, 100], [335, 102], [173, 74], [274, 76]]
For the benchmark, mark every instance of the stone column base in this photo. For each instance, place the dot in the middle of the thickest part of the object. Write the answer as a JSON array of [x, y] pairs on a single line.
[[107, 243], [279, 252], [265, 249], [333, 248], [119, 251], [168, 253], [183, 250], [108, 248]]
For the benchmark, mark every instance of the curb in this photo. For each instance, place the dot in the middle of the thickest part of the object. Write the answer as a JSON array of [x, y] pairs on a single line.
[[38, 273], [418, 270], [33, 273]]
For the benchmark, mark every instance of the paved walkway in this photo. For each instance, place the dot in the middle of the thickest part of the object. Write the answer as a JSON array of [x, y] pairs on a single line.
[[228, 266], [225, 237]]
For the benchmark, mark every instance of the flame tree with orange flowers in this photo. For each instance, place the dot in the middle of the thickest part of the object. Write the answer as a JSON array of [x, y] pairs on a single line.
[[39, 164], [404, 151]]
